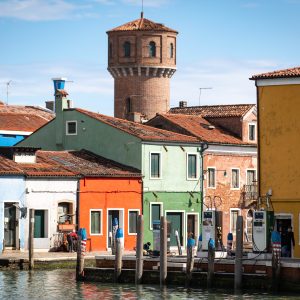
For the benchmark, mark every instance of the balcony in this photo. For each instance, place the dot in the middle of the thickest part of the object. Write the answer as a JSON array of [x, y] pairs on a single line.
[[249, 195]]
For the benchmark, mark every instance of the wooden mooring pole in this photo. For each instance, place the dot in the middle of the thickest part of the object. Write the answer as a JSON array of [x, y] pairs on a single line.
[[119, 255], [139, 250], [178, 242], [80, 259], [163, 251], [211, 263], [31, 236], [190, 260], [238, 265]]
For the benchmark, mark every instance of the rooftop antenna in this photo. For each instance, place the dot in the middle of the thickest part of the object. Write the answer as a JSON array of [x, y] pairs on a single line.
[[142, 13], [8, 84], [203, 88]]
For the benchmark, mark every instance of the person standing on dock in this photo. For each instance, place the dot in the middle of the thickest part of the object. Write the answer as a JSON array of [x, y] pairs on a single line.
[[290, 241]]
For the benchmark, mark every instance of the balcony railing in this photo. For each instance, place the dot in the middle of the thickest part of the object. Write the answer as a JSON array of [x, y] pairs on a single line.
[[249, 195]]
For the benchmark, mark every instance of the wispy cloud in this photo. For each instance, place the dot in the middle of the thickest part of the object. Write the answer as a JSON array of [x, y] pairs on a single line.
[[147, 3], [250, 5], [41, 10]]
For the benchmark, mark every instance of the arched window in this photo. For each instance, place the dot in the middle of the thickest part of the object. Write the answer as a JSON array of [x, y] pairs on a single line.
[[171, 50], [152, 49], [126, 47], [110, 50], [128, 105]]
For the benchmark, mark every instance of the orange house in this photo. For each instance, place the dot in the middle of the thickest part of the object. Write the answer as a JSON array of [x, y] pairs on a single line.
[[101, 199]]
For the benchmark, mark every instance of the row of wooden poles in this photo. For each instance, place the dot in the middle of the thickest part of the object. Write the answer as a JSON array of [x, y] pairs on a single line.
[[163, 256]]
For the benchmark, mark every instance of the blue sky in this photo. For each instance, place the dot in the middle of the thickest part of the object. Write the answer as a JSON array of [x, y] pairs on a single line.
[[221, 43]]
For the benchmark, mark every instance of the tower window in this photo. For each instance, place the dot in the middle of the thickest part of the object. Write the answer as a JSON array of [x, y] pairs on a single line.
[[152, 49], [128, 105], [171, 50], [126, 47], [110, 50]]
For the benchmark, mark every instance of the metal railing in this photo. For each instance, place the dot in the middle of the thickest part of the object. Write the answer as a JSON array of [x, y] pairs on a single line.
[[249, 195]]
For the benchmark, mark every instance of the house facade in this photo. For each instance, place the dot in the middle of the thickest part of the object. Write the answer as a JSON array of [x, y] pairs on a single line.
[[162, 157], [229, 157], [278, 145]]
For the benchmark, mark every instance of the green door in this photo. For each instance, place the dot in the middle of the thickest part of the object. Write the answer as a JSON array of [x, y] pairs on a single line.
[[176, 224], [39, 223]]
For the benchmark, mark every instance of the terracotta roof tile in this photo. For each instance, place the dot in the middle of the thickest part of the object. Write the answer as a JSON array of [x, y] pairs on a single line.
[[23, 118], [143, 25], [202, 129], [144, 132], [9, 167], [286, 73], [214, 111]]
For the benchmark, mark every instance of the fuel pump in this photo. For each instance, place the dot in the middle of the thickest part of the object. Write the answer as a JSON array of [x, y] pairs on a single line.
[[211, 228], [262, 227]]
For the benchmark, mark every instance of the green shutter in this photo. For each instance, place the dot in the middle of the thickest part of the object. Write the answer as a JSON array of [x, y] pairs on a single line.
[[95, 222], [155, 163], [39, 223], [133, 221], [155, 213], [192, 165]]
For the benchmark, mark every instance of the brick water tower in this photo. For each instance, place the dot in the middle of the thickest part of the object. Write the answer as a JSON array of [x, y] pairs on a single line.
[[141, 59]]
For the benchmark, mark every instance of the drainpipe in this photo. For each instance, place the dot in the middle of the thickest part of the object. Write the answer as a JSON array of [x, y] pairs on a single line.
[[203, 147], [77, 202]]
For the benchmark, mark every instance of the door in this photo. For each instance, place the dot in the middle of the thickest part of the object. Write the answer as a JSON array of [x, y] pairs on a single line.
[[10, 224], [112, 214], [39, 224], [175, 219], [191, 225]]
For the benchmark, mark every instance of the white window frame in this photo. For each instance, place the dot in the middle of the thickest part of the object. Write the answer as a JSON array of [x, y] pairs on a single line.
[[150, 212], [255, 171], [239, 213], [160, 165], [239, 179], [187, 166], [207, 176], [67, 127], [101, 222], [129, 210], [255, 133]]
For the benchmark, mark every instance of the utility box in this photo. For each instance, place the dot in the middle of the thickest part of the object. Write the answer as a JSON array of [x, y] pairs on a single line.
[[262, 226], [212, 228]]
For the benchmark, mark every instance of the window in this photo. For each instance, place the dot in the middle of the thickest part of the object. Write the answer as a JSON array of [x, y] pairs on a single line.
[[39, 224], [96, 222], [152, 49], [128, 105], [155, 165], [171, 50], [252, 128], [132, 219], [235, 178], [192, 166], [71, 128], [155, 213], [126, 47], [234, 212], [251, 177], [211, 177]]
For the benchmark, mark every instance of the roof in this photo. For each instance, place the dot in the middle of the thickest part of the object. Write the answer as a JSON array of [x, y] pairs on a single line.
[[202, 129], [214, 111], [9, 167], [23, 118], [86, 163], [142, 24], [144, 132], [286, 73]]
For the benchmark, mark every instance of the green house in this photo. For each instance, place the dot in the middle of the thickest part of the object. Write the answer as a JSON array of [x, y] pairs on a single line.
[[170, 162]]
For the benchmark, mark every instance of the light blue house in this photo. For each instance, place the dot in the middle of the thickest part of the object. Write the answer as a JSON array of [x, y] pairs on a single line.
[[12, 206]]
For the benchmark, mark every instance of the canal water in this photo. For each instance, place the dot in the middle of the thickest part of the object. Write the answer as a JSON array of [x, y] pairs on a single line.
[[61, 284]]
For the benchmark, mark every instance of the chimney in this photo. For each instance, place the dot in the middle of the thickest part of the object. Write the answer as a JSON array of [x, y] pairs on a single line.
[[182, 104], [50, 105], [59, 83]]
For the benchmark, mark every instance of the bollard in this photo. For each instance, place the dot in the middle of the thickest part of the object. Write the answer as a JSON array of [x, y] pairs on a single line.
[[229, 243], [276, 252], [163, 251], [31, 236], [139, 250], [238, 266], [115, 226], [190, 260], [178, 242], [119, 254], [211, 263]]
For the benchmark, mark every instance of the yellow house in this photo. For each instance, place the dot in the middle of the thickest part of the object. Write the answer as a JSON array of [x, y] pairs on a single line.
[[278, 106]]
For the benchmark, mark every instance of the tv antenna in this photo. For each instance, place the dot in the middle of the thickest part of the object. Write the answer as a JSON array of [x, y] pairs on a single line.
[[203, 88], [8, 84]]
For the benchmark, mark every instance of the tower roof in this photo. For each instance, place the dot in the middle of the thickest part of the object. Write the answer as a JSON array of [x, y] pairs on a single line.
[[142, 24]]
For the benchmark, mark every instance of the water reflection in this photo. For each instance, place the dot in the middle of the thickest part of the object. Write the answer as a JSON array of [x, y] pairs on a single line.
[[61, 284]]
